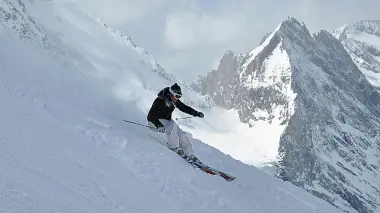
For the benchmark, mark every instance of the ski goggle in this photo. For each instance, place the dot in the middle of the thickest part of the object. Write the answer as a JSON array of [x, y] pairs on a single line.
[[176, 95]]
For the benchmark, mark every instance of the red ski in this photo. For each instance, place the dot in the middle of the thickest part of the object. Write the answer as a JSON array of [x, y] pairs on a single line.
[[212, 171]]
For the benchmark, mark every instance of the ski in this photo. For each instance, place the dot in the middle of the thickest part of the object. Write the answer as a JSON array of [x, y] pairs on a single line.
[[209, 170], [213, 171], [201, 166]]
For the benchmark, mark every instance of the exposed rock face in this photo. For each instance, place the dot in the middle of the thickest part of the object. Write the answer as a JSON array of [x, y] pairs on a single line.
[[330, 111], [220, 82], [362, 42]]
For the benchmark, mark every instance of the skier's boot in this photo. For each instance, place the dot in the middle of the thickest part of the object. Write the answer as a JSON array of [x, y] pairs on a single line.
[[180, 152], [193, 159]]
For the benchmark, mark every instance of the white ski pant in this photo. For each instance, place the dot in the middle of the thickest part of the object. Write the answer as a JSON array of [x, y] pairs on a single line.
[[177, 137]]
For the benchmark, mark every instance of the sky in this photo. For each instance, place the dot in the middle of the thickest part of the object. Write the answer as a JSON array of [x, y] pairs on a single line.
[[189, 37]]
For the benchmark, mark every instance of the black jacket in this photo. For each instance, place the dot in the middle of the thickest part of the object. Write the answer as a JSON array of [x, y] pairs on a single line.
[[163, 107]]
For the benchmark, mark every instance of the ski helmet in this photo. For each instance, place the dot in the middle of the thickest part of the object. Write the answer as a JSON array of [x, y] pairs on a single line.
[[175, 90]]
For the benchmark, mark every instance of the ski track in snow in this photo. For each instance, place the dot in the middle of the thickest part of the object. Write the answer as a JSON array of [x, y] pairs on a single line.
[[64, 146]]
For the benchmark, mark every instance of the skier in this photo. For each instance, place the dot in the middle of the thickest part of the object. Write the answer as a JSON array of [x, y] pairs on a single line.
[[160, 120]]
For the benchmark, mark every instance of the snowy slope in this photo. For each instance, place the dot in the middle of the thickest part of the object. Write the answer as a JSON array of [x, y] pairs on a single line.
[[64, 148]]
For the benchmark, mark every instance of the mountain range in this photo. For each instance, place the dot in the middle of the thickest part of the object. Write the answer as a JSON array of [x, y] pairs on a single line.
[[321, 90]]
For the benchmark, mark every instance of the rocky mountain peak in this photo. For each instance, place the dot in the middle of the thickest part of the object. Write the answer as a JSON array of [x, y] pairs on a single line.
[[340, 33], [293, 25], [365, 26], [362, 42], [326, 111], [368, 26]]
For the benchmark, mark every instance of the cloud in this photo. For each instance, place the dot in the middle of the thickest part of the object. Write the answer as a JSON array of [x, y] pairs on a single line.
[[188, 36], [184, 30], [119, 12]]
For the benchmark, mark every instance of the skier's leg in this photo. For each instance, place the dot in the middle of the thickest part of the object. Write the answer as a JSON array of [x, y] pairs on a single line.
[[171, 130], [184, 142]]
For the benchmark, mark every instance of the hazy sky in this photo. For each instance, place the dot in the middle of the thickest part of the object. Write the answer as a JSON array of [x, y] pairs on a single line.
[[188, 37]]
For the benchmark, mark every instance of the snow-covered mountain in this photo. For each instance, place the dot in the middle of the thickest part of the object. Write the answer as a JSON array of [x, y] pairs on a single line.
[[362, 42], [66, 81], [323, 111]]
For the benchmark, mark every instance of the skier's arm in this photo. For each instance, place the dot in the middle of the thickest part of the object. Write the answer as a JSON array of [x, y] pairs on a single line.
[[154, 113], [186, 109]]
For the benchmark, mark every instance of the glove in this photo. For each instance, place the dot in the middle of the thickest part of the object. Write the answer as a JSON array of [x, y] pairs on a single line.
[[160, 129], [153, 127], [201, 115]]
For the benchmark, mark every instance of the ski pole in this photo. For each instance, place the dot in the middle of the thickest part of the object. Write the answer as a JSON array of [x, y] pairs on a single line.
[[136, 123], [141, 125], [184, 118]]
